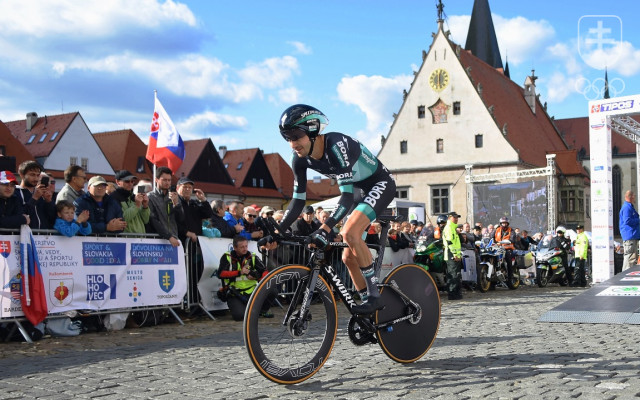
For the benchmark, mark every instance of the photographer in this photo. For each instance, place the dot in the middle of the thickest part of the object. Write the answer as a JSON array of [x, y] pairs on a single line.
[[240, 270], [135, 207]]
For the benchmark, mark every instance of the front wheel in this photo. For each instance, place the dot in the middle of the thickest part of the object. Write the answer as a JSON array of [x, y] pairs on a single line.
[[290, 350], [514, 282], [542, 277], [408, 340], [484, 281]]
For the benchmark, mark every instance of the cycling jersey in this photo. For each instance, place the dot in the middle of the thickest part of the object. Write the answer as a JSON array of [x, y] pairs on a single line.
[[352, 166]]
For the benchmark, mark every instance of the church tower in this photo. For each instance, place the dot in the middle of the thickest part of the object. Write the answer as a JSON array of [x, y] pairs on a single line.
[[481, 38]]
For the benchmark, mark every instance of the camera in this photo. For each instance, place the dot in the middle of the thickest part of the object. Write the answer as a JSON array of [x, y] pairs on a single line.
[[172, 188], [45, 180], [141, 189]]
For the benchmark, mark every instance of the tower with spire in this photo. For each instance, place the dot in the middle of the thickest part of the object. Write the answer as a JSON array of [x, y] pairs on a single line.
[[481, 39]]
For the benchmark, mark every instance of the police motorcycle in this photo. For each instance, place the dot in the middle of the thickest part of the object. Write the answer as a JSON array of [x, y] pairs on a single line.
[[493, 266], [430, 256], [549, 266]]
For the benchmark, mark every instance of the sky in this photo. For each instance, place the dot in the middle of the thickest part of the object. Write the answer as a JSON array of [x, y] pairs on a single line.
[[226, 70]]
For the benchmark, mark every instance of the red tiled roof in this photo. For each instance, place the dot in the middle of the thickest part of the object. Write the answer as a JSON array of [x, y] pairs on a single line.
[[13, 147], [47, 124], [218, 188], [192, 150], [323, 190], [510, 108], [567, 163], [576, 134], [281, 173], [234, 159], [122, 149]]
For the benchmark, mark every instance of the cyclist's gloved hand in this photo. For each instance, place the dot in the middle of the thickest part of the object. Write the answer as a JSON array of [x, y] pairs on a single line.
[[320, 238]]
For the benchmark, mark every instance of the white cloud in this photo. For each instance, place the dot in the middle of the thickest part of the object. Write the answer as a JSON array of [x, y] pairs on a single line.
[[565, 55], [300, 47], [518, 37], [623, 58], [90, 18], [199, 124], [288, 95], [560, 86], [374, 96]]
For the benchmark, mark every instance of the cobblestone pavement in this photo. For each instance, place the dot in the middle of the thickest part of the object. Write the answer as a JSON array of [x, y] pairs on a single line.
[[489, 346]]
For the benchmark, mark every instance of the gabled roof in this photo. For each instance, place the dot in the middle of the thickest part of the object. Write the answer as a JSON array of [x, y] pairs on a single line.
[[13, 147], [202, 164], [192, 151], [123, 149], [576, 134], [567, 163], [281, 173], [481, 37], [48, 125], [238, 163], [512, 113]]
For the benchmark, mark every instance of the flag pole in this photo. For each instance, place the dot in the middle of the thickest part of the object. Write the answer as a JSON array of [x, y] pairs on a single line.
[[155, 98]]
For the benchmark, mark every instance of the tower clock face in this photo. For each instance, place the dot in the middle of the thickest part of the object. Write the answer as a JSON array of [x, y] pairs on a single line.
[[439, 79]]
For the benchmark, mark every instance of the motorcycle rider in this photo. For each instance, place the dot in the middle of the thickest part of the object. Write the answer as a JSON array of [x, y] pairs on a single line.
[[437, 231], [563, 243], [504, 232]]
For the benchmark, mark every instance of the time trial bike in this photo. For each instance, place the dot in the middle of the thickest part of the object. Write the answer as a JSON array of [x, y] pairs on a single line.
[[294, 345]]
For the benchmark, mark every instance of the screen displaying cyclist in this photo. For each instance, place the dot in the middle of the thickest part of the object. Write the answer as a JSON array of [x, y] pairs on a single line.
[[366, 189]]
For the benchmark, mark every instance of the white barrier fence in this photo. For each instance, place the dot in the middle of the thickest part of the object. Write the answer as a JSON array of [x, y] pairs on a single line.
[[96, 273]]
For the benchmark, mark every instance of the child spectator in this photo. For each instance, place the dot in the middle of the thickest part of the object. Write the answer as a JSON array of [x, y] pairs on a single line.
[[65, 223]]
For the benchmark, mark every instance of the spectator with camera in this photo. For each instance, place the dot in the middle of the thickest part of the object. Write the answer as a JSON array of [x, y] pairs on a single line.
[[36, 196], [166, 209], [240, 270], [135, 206]]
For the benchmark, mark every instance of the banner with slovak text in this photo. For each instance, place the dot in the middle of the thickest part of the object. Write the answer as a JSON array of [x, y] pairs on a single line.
[[95, 273]]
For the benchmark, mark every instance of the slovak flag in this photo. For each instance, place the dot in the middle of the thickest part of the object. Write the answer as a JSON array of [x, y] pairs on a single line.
[[166, 148], [32, 296]]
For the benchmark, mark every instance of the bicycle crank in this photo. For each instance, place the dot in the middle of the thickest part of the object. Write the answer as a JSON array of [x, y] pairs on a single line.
[[359, 333]]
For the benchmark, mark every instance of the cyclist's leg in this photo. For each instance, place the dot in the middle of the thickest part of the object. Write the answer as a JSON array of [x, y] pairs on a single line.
[[357, 255]]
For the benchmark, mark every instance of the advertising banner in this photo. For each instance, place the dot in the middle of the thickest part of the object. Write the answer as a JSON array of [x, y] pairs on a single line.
[[95, 273]]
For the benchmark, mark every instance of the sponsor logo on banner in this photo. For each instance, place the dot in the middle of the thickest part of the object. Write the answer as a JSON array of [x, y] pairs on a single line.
[[631, 278], [60, 292], [97, 286], [166, 280], [99, 253], [597, 126], [5, 248], [636, 273], [621, 291], [134, 294], [153, 254], [612, 106], [598, 168], [14, 288]]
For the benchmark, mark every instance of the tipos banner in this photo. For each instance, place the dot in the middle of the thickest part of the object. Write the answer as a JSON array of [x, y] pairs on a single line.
[[95, 273]]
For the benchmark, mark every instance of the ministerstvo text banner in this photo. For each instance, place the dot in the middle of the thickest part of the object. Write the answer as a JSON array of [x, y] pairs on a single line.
[[93, 273]]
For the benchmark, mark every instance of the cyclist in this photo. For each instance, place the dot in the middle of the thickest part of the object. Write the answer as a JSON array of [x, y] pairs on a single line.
[[343, 158]]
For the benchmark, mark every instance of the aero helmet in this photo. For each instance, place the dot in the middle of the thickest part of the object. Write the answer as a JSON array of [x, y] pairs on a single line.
[[301, 119], [442, 219]]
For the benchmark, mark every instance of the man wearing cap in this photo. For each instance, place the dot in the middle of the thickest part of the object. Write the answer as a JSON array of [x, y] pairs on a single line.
[[35, 196], [453, 256], [195, 210], [266, 212], [135, 207], [166, 209], [12, 214], [105, 214], [74, 177], [251, 229], [581, 245], [304, 226]]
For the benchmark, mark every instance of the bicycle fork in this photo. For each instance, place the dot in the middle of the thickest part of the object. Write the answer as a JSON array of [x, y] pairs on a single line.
[[297, 320]]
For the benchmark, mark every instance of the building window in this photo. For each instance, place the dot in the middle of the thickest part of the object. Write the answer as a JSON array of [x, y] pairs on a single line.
[[43, 137], [261, 182], [54, 136], [569, 202], [402, 193], [226, 165], [421, 112], [240, 166], [439, 200], [73, 160], [84, 163], [440, 146], [478, 141], [3, 151], [456, 108], [403, 147], [31, 139], [140, 164], [254, 182]]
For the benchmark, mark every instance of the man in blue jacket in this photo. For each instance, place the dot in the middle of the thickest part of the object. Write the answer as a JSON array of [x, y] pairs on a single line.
[[629, 230], [105, 214]]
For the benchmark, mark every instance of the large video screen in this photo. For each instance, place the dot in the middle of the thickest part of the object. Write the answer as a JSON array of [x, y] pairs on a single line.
[[525, 204]]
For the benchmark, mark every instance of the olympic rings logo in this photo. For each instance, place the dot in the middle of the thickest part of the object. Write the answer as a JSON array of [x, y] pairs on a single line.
[[595, 90]]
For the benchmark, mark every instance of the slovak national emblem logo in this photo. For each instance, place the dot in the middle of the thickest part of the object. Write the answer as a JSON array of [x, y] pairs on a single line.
[[166, 280]]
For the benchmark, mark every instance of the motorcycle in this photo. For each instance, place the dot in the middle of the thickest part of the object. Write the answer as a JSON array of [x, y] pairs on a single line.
[[430, 256], [493, 266], [549, 267]]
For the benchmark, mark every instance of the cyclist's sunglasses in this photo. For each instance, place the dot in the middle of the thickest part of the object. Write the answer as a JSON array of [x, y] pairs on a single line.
[[291, 135]]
